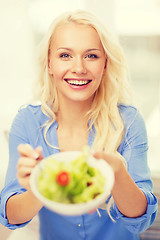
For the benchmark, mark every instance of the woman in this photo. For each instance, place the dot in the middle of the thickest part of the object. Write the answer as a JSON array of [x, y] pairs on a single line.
[[84, 95]]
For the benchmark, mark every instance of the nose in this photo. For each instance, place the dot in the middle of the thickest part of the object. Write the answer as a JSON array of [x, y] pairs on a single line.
[[78, 66]]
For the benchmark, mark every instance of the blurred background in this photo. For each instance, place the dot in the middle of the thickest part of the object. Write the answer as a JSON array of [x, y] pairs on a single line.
[[23, 24]]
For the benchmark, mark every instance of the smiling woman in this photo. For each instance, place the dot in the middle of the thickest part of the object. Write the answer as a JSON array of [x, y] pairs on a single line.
[[78, 63], [85, 100], [85, 51]]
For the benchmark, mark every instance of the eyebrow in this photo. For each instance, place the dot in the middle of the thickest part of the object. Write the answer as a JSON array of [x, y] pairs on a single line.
[[88, 50], [93, 49]]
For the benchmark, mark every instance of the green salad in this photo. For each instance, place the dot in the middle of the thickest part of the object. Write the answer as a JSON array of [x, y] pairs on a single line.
[[70, 182]]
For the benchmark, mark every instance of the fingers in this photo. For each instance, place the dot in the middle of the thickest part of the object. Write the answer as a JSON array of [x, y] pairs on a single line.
[[27, 151], [100, 155], [39, 151], [24, 172], [92, 211], [27, 162], [114, 160], [29, 158]]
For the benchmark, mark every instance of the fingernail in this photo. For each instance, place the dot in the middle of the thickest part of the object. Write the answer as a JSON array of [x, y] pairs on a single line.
[[35, 155], [39, 148]]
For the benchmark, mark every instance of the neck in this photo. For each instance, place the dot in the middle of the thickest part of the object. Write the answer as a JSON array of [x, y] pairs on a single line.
[[73, 115]]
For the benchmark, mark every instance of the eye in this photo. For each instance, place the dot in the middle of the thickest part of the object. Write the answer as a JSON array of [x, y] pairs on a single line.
[[64, 55], [92, 56]]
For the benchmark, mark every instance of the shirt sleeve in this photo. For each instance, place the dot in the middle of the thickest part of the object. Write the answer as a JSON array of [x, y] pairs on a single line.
[[12, 186], [134, 149], [9, 190]]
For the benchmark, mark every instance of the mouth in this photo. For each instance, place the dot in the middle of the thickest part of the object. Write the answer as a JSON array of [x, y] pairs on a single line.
[[77, 82]]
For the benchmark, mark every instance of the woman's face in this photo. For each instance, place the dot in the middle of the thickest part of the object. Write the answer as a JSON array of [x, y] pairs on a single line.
[[76, 62]]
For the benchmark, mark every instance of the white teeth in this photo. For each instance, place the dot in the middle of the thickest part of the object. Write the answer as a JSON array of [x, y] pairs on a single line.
[[76, 82]]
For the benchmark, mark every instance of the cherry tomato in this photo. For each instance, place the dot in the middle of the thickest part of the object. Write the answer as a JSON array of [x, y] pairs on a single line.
[[89, 184], [63, 178]]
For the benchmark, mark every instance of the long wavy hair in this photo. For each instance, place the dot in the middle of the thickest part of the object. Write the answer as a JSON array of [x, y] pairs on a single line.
[[113, 90], [103, 117]]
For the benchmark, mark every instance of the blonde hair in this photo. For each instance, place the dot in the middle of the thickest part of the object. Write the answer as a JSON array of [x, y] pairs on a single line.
[[113, 90]]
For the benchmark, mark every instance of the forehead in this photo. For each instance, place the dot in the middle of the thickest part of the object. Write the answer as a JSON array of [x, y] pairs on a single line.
[[72, 34]]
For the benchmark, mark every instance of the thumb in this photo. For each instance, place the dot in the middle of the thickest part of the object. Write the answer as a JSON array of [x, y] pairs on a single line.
[[39, 151]]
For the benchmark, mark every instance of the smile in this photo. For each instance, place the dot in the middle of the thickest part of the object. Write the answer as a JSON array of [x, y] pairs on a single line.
[[77, 82]]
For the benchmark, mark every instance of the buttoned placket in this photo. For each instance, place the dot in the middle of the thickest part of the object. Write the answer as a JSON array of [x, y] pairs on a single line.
[[81, 228]]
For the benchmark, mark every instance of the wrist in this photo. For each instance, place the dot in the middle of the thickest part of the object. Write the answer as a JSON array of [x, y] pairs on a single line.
[[121, 170], [34, 199]]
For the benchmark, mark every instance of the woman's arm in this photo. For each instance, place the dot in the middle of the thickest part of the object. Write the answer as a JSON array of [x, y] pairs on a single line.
[[130, 200], [21, 208]]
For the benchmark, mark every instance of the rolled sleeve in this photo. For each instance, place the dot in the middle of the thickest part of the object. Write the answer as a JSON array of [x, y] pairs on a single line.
[[9, 190], [134, 149], [139, 224], [12, 187]]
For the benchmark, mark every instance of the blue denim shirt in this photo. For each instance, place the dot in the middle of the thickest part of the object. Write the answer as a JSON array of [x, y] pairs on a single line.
[[27, 128]]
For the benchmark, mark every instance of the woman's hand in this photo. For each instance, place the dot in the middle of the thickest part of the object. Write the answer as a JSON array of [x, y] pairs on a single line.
[[114, 160], [21, 208], [130, 200], [29, 158]]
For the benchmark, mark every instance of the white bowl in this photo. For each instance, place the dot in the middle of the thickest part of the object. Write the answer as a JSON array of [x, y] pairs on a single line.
[[76, 208]]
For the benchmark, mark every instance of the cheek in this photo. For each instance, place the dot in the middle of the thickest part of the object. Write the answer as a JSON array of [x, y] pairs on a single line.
[[59, 70], [98, 71]]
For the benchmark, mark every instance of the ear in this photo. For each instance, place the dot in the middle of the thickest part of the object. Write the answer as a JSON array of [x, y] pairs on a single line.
[[105, 64], [49, 63]]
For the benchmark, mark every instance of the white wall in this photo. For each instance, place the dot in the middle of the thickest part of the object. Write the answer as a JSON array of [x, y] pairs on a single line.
[[104, 10], [16, 66]]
